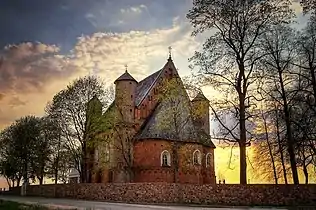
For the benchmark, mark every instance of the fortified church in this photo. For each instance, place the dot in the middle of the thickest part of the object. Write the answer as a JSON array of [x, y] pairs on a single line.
[[152, 132]]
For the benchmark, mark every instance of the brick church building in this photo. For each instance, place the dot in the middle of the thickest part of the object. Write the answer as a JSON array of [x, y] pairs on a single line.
[[152, 132]]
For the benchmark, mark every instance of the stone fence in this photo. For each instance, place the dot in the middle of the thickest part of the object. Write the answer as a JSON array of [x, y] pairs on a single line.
[[229, 194]]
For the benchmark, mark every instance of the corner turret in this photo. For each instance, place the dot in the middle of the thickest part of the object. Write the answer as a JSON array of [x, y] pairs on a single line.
[[125, 90], [200, 105]]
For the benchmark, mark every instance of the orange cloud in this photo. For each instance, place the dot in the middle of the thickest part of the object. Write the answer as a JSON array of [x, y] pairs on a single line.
[[25, 69], [28, 67]]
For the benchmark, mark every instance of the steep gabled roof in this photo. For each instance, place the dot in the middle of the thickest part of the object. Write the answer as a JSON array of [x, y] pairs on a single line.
[[145, 86], [160, 124]]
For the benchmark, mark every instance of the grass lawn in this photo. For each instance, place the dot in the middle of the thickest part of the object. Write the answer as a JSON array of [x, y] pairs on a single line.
[[9, 205]]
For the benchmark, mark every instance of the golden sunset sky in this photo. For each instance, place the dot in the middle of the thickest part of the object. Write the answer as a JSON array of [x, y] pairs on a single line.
[[99, 37]]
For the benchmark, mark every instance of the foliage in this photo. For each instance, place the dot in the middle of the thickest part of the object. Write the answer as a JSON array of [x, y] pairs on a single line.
[[10, 205], [26, 149], [115, 141], [70, 107], [308, 6]]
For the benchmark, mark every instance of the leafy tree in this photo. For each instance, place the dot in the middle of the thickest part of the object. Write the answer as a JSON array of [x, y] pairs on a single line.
[[230, 54], [6, 169], [114, 142], [43, 149], [21, 141], [60, 164], [70, 107]]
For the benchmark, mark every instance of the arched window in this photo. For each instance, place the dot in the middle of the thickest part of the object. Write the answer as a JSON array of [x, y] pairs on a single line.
[[107, 153], [208, 160], [165, 158], [197, 157]]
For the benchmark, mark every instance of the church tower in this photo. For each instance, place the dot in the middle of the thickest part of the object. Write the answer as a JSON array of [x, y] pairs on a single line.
[[125, 94], [93, 114], [200, 105]]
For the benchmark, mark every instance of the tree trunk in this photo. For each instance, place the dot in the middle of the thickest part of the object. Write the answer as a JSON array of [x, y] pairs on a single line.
[[270, 149], [25, 178], [18, 181], [242, 141], [56, 175], [290, 140], [41, 179], [305, 173], [280, 147], [175, 162], [8, 182], [56, 169], [312, 72], [83, 174]]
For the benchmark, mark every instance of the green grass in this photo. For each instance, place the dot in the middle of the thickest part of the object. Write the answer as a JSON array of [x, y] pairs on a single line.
[[9, 205]]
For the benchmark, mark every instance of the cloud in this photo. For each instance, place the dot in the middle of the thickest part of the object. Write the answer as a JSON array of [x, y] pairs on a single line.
[[134, 9], [107, 53], [89, 15], [28, 69], [16, 101], [31, 73], [29, 66]]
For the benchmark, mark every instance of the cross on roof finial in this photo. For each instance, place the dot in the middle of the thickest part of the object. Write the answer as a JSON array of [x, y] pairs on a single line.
[[126, 67], [170, 49]]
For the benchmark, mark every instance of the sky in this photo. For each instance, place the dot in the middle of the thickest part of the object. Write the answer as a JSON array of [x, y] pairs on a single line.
[[46, 44]]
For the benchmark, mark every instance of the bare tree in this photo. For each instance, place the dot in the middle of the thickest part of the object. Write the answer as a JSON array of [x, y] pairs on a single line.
[[308, 5], [230, 55], [278, 45]]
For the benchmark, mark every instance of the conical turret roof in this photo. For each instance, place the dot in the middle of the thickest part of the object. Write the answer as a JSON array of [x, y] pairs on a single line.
[[126, 76], [200, 97]]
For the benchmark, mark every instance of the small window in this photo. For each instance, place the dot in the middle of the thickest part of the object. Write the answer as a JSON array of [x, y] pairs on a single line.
[[96, 155], [130, 110], [197, 157], [130, 83], [107, 153], [131, 96], [208, 159], [165, 158]]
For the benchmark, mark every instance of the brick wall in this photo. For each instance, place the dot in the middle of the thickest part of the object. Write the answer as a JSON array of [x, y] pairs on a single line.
[[246, 195], [147, 163]]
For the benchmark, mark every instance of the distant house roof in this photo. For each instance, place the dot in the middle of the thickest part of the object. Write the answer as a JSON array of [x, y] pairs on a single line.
[[74, 173]]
